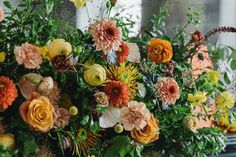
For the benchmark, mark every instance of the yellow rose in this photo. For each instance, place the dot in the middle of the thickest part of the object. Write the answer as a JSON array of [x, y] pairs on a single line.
[[79, 3], [149, 133], [95, 75], [59, 47], [160, 51], [38, 113], [7, 141], [2, 56], [225, 100], [191, 123]]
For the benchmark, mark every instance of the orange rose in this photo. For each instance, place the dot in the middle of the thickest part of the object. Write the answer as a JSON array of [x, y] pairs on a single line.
[[149, 133], [38, 112], [160, 51]]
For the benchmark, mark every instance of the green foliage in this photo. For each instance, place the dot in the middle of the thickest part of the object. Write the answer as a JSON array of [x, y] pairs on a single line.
[[120, 147]]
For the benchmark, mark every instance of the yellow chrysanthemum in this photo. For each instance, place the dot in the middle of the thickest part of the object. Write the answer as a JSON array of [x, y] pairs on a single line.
[[7, 141], [84, 141], [2, 56], [198, 98], [126, 74], [225, 100], [213, 76], [44, 52]]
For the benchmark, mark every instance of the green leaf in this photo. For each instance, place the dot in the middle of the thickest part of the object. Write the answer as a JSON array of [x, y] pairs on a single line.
[[7, 4], [119, 145], [226, 78], [233, 64], [30, 147]]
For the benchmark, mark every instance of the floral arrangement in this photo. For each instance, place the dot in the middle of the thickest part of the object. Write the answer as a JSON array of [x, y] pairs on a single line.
[[64, 92]]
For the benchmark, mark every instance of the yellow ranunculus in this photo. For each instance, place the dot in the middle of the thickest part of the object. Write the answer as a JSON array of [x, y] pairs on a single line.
[[95, 75], [2, 56], [197, 99], [79, 3], [7, 141], [59, 47], [225, 100], [213, 76], [190, 123], [39, 113]]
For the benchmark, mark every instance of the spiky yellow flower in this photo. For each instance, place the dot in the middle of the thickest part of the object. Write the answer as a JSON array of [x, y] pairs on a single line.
[[44, 52], [127, 74], [84, 141]]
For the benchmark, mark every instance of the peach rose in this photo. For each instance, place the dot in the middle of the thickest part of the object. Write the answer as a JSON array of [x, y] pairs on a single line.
[[149, 133], [38, 112], [1, 14], [160, 51]]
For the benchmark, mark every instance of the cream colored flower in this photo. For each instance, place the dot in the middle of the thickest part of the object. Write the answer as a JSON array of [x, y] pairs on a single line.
[[191, 123], [134, 115]]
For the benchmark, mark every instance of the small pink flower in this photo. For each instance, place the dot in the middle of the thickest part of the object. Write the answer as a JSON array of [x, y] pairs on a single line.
[[134, 115], [29, 55], [62, 117], [106, 35], [1, 14], [168, 90]]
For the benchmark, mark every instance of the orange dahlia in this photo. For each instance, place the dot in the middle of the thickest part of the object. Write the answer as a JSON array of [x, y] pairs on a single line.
[[160, 51], [122, 52], [168, 90], [118, 93], [8, 92]]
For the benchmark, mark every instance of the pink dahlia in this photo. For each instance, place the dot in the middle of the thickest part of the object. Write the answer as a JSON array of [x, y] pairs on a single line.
[[106, 35], [29, 55], [168, 90], [1, 14], [134, 115]]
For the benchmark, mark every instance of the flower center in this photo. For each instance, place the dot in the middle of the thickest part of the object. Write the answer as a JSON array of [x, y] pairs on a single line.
[[2, 85], [172, 90], [110, 32], [134, 116], [115, 91]]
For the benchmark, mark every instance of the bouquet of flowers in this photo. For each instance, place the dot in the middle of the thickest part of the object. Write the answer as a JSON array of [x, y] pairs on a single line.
[[64, 92]]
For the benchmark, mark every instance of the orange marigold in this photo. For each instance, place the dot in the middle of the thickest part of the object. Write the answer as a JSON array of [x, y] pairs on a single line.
[[118, 93], [122, 52], [8, 92], [160, 51]]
